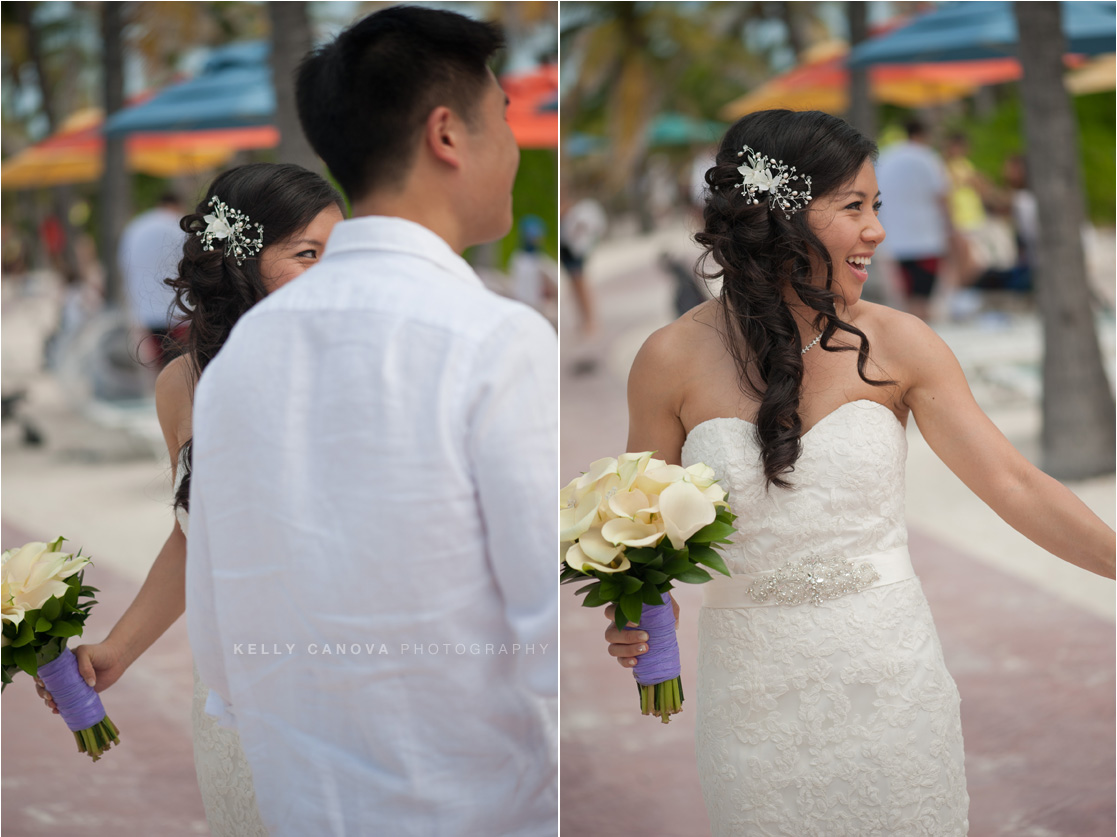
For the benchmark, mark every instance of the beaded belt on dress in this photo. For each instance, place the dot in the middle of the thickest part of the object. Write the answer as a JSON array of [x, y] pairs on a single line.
[[810, 580]]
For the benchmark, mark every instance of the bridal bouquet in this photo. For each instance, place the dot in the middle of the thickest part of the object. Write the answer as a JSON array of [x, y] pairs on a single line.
[[41, 590], [636, 524]]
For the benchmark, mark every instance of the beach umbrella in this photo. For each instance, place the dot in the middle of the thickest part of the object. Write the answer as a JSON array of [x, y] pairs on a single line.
[[972, 31], [233, 90], [75, 153], [533, 106], [668, 129]]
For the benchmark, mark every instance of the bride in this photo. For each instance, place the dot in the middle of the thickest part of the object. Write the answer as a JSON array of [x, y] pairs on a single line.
[[288, 213], [824, 706]]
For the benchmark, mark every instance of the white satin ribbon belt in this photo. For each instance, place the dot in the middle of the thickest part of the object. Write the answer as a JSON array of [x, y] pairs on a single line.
[[810, 580]]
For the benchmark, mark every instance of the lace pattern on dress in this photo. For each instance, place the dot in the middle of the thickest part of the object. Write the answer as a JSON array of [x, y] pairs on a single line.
[[835, 719]]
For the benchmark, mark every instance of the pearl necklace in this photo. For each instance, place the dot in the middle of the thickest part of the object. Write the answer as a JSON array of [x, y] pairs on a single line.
[[811, 345]]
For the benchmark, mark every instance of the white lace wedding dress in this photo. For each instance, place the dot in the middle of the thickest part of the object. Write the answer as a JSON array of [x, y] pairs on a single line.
[[834, 716], [224, 775]]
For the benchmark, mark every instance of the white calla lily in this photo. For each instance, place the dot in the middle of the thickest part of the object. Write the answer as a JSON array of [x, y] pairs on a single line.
[[577, 559], [629, 503], [599, 469], [575, 520], [684, 510], [632, 532], [597, 549], [630, 466], [701, 475]]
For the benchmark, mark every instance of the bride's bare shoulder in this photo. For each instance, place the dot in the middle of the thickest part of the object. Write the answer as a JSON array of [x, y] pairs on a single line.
[[673, 349]]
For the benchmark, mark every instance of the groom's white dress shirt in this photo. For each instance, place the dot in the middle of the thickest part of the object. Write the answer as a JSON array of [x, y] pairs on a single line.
[[371, 575]]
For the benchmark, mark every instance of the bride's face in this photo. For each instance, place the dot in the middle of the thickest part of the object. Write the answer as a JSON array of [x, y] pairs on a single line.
[[284, 260], [845, 221]]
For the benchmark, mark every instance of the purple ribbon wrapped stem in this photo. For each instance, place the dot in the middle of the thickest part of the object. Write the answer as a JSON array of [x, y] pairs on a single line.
[[661, 662], [79, 706]]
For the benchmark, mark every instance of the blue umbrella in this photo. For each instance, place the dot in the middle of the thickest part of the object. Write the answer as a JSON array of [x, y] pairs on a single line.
[[971, 31], [234, 90]]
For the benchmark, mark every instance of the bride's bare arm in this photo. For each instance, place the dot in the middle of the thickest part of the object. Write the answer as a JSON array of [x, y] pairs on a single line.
[[964, 438], [162, 599], [654, 400]]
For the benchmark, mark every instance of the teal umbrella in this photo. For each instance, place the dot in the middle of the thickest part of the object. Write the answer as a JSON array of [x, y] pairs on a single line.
[[971, 31], [678, 129], [233, 90]]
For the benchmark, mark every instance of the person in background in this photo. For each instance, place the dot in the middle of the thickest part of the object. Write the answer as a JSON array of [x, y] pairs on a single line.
[[150, 248], [580, 229], [916, 214], [534, 275]]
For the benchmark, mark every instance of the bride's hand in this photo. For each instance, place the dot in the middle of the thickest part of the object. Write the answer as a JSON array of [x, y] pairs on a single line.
[[627, 645], [99, 665]]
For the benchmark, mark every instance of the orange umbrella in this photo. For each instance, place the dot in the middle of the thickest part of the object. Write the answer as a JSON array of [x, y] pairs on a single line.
[[822, 83], [533, 106], [74, 154]]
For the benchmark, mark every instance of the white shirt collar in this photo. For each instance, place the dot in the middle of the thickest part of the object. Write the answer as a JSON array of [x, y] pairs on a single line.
[[380, 233]]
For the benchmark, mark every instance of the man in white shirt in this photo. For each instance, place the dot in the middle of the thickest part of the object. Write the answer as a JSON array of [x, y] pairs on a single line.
[[914, 192], [149, 252], [371, 582]]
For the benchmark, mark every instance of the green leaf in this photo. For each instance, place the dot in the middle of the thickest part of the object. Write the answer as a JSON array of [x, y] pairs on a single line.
[[632, 605], [716, 531], [51, 609], [25, 659], [26, 634], [42, 625], [631, 584], [6, 656], [582, 590], [708, 556], [71, 597], [65, 628], [693, 575], [594, 598], [88, 591], [642, 555], [655, 576], [610, 588], [650, 595], [676, 566]]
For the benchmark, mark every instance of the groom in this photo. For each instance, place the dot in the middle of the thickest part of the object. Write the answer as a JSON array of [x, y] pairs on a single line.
[[371, 581]]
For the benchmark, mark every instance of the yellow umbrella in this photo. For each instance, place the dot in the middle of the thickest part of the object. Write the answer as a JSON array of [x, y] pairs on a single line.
[[821, 82], [74, 154], [1098, 75]]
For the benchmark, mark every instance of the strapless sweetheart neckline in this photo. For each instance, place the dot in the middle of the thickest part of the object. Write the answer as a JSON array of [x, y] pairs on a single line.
[[813, 427]]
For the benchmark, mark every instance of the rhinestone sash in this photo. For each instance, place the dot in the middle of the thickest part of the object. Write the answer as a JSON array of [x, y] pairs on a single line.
[[812, 579]]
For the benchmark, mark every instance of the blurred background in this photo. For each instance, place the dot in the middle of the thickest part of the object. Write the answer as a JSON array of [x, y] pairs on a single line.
[[116, 116], [1021, 120]]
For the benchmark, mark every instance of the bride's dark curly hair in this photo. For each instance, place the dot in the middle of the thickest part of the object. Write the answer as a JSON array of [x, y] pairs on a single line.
[[758, 253], [213, 291]]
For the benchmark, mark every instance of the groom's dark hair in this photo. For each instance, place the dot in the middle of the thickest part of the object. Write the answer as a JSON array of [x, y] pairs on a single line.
[[364, 98]]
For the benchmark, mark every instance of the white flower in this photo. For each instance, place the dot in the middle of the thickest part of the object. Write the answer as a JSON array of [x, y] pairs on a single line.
[[760, 178], [685, 510], [217, 226], [578, 559], [32, 574]]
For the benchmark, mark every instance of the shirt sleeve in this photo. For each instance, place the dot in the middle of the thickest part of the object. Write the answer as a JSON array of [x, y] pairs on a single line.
[[512, 446]]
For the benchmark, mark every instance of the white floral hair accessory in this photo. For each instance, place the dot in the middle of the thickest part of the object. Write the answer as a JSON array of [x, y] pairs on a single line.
[[231, 225], [763, 174]]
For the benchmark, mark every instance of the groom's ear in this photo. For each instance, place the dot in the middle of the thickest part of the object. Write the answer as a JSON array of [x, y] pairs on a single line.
[[443, 136]]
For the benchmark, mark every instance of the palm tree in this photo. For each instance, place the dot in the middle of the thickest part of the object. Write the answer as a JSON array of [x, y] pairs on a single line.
[[1078, 404], [290, 41]]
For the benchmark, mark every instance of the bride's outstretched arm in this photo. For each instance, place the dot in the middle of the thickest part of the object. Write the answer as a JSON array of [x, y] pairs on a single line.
[[1039, 507], [162, 598]]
